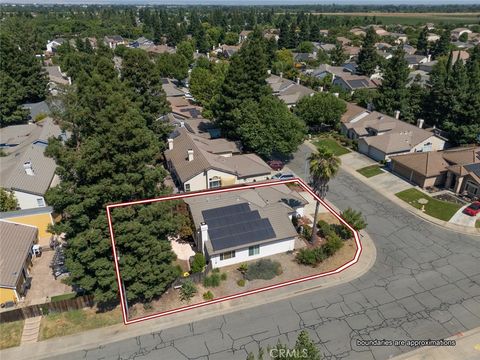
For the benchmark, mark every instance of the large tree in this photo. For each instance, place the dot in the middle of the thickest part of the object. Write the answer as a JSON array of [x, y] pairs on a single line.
[[8, 201], [422, 43], [321, 109], [368, 59]]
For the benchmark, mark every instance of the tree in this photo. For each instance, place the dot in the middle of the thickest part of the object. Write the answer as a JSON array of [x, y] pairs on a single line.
[[284, 40], [231, 38], [368, 59], [393, 93], [245, 80], [305, 47], [442, 46], [324, 166], [172, 65], [8, 201], [188, 290], [463, 37], [268, 127], [186, 49], [422, 43], [337, 55], [198, 263], [321, 109], [12, 94]]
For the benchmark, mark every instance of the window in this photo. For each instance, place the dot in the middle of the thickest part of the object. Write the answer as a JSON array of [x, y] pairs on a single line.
[[186, 187], [471, 188], [227, 255], [40, 202], [214, 182], [254, 250]]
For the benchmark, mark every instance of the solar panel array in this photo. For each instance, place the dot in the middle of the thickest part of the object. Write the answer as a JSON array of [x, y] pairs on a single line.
[[236, 225]]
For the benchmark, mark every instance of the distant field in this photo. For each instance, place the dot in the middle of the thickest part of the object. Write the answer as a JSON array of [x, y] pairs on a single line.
[[416, 18]]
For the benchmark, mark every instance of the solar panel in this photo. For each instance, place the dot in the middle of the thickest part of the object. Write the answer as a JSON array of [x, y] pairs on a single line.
[[236, 225]]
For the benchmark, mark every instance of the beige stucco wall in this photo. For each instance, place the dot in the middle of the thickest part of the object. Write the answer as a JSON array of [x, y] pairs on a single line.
[[200, 182]]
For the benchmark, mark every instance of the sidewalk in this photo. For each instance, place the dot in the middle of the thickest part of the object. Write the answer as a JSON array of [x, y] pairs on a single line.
[[466, 348], [388, 185], [97, 337]]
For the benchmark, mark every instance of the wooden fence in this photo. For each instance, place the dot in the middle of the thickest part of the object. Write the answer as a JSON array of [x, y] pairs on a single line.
[[46, 308]]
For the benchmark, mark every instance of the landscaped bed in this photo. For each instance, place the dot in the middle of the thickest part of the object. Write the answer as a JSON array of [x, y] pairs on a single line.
[[332, 144], [442, 210], [11, 334], [369, 171]]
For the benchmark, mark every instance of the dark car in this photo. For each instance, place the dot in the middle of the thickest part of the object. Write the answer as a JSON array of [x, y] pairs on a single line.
[[473, 209], [276, 165]]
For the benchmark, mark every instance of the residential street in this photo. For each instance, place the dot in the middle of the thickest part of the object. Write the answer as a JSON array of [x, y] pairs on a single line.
[[425, 284]]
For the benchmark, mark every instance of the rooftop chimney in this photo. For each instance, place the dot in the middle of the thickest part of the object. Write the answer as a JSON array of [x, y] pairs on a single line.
[[203, 236], [182, 123], [281, 74], [269, 72], [420, 123], [320, 89], [190, 154], [298, 81], [170, 144], [396, 114], [27, 166], [336, 94]]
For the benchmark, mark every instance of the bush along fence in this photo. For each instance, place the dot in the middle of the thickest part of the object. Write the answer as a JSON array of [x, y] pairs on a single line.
[[26, 312]]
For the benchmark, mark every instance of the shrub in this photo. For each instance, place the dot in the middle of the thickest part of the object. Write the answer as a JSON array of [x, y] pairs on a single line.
[[188, 290], [147, 306], [334, 243], [241, 282], [354, 218], [40, 116], [324, 228], [307, 232], [306, 257], [212, 280], [243, 268], [342, 231], [198, 263], [223, 276], [208, 295], [265, 269], [216, 270]]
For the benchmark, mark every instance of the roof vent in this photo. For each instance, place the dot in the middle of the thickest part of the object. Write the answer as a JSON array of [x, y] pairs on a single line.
[[27, 166]]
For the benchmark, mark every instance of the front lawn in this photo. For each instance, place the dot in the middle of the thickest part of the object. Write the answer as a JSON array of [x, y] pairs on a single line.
[[11, 334], [369, 171], [442, 210], [75, 321], [332, 144]]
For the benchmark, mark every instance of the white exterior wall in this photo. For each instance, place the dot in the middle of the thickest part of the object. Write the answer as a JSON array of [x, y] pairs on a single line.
[[437, 144], [28, 201], [268, 249]]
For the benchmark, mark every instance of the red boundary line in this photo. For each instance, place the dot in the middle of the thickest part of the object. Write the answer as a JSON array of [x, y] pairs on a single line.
[[126, 321]]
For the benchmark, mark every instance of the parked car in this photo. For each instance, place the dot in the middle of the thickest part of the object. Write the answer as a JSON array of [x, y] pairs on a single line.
[[282, 176], [276, 165], [473, 209]]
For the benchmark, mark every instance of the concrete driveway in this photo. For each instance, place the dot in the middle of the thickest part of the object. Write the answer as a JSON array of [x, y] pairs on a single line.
[[463, 219]]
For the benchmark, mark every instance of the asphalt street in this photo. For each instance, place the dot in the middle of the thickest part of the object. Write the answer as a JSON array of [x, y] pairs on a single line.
[[425, 284]]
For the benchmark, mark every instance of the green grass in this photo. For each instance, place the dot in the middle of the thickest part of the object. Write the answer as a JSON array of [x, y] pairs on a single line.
[[477, 224], [63, 297], [369, 171], [75, 321], [442, 210], [11, 334], [333, 145]]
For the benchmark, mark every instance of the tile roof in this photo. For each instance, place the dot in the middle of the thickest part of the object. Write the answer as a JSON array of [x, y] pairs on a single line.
[[287, 90], [15, 244]]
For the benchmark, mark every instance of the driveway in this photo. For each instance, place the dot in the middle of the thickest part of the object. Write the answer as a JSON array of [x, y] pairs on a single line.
[[463, 219], [425, 284]]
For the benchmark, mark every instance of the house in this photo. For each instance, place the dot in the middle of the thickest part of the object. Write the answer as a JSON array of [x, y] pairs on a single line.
[[427, 66], [56, 76], [271, 34], [227, 51], [15, 256], [287, 90], [457, 32], [420, 77], [460, 54], [380, 136], [326, 47], [343, 40], [244, 225], [384, 54], [351, 51], [40, 218], [198, 164], [455, 169], [415, 60], [431, 37], [113, 41], [141, 42], [358, 32], [52, 45], [26, 170], [304, 57], [383, 46], [474, 38], [171, 89], [380, 31], [409, 49], [351, 82], [160, 49], [243, 36]]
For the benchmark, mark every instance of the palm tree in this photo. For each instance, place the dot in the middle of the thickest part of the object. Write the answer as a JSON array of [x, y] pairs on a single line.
[[324, 166]]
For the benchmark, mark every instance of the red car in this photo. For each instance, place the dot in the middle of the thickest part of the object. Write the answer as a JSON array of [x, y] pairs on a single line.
[[276, 165], [473, 209]]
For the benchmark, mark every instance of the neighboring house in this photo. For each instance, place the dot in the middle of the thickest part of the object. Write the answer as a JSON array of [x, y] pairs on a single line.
[[57, 79], [380, 136], [409, 49], [245, 225], [358, 32], [304, 57], [227, 51], [351, 51], [460, 54], [399, 38], [198, 164], [243, 35], [287, 90], [415, 60], [40, 218], [431, 37], [383, 46], [326, 47], [419, 76], [16, 258], [26, 170], [183, 109], [456, 33], [344, 77], [52, 45], [455, 169], [474, 38], [343, 40], [385, 54], [380, 31], [113, 41], [141, 42], [427, 66], [160, 49], [271, 34], [171, 89]]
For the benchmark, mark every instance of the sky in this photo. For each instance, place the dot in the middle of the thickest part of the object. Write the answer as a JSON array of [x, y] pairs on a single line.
[[244, 2]]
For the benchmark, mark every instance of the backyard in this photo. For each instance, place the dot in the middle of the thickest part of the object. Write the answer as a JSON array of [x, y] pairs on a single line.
[[331, 144], [442, 210], [11, 334]]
